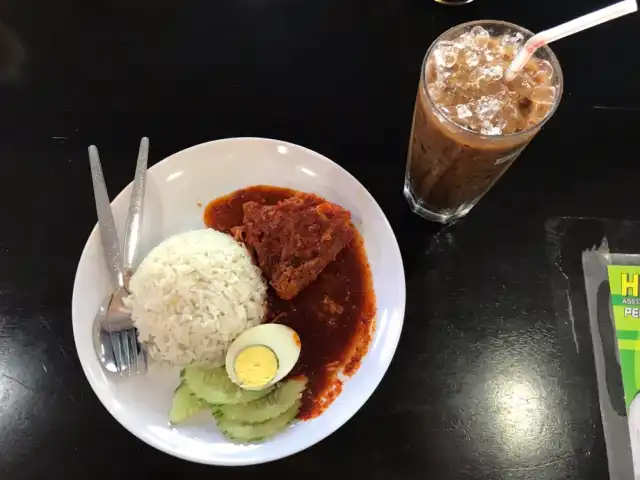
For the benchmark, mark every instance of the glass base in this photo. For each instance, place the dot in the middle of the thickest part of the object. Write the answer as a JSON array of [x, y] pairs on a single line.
[[453, 2], [441, 216]]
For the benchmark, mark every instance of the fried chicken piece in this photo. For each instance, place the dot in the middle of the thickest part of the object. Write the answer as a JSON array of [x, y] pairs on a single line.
[[296, 239]]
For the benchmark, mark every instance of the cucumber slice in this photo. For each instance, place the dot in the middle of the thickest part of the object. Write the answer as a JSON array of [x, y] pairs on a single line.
[[214, 386], [270, 406], [248, 432], [185, 404]]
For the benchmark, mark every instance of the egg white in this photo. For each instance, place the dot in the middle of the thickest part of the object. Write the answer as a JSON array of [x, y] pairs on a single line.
[[280, 339]]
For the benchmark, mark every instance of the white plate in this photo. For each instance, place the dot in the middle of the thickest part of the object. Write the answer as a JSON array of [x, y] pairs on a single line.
[[178, 189]]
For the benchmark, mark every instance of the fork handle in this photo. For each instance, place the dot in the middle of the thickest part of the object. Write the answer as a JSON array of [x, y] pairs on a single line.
[[108, 232], [134, 218]]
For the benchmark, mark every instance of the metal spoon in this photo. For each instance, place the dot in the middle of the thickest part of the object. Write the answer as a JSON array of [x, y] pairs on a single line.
[[102, 340]]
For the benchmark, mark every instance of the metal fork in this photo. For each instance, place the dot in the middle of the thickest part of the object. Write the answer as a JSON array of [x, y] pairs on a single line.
[[115, 336]]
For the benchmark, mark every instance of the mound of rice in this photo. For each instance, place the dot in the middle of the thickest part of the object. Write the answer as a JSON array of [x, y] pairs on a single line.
[[193, 295]]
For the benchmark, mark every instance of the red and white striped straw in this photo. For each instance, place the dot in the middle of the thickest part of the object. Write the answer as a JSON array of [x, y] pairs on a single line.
[[574, 26]]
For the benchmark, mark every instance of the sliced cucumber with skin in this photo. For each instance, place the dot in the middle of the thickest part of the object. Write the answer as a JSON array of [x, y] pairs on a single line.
[[214, 386], [249, 432], [270, 406], [185, 404]]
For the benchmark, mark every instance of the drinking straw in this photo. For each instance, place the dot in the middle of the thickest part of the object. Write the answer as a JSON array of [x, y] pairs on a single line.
[[574, 26]]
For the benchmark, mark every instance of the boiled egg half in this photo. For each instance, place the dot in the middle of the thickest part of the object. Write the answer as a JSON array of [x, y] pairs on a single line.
[[262, 356]]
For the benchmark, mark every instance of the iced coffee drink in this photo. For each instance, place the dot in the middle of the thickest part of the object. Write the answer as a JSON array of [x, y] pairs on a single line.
[[469, 124]]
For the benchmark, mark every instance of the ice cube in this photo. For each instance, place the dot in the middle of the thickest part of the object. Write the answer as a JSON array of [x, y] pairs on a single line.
[[489, 129], [506, 39], [511, 118], [488, 73], [458, 46], [480, 38], [510, 112], [474, 76], [492, 87], [493, 44], [436, 91], [493, 72], [464, 40], [487, 107], [442, 75], [544, 72], [479, 32], [543, 95], [512, 40], [450, 60], [521, 85], [473, 123], [463, 111], [471, 58], [534, 119], [439, 94], [509, 52], [430, 70], [445, 56]]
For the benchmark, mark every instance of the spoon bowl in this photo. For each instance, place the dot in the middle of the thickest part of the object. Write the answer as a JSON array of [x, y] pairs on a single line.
[[101, 340]]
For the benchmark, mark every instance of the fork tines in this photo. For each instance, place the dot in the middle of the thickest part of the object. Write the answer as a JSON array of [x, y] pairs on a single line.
[[130, 357]]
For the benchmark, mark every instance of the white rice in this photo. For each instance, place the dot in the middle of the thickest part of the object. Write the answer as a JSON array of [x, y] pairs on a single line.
[[193, 295]]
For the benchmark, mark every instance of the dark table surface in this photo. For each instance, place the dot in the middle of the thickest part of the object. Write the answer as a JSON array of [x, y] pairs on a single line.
[[480, 387]]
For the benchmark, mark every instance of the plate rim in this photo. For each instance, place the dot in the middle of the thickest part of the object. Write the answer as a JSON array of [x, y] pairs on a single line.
[[397, 331]]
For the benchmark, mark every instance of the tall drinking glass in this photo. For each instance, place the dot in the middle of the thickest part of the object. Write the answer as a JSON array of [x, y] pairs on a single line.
[[469, 125]]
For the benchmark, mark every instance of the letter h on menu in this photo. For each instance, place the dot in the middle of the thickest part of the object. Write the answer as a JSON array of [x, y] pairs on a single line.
[[629, 286]]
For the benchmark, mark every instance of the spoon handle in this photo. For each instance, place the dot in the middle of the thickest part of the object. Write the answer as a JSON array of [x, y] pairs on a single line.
[[108, 233], [134, 218]]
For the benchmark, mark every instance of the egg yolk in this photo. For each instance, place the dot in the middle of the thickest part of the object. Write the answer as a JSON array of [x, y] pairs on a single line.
[[256, 366]]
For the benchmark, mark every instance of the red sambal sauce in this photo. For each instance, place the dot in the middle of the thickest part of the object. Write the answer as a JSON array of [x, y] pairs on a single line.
[[334, 316]]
